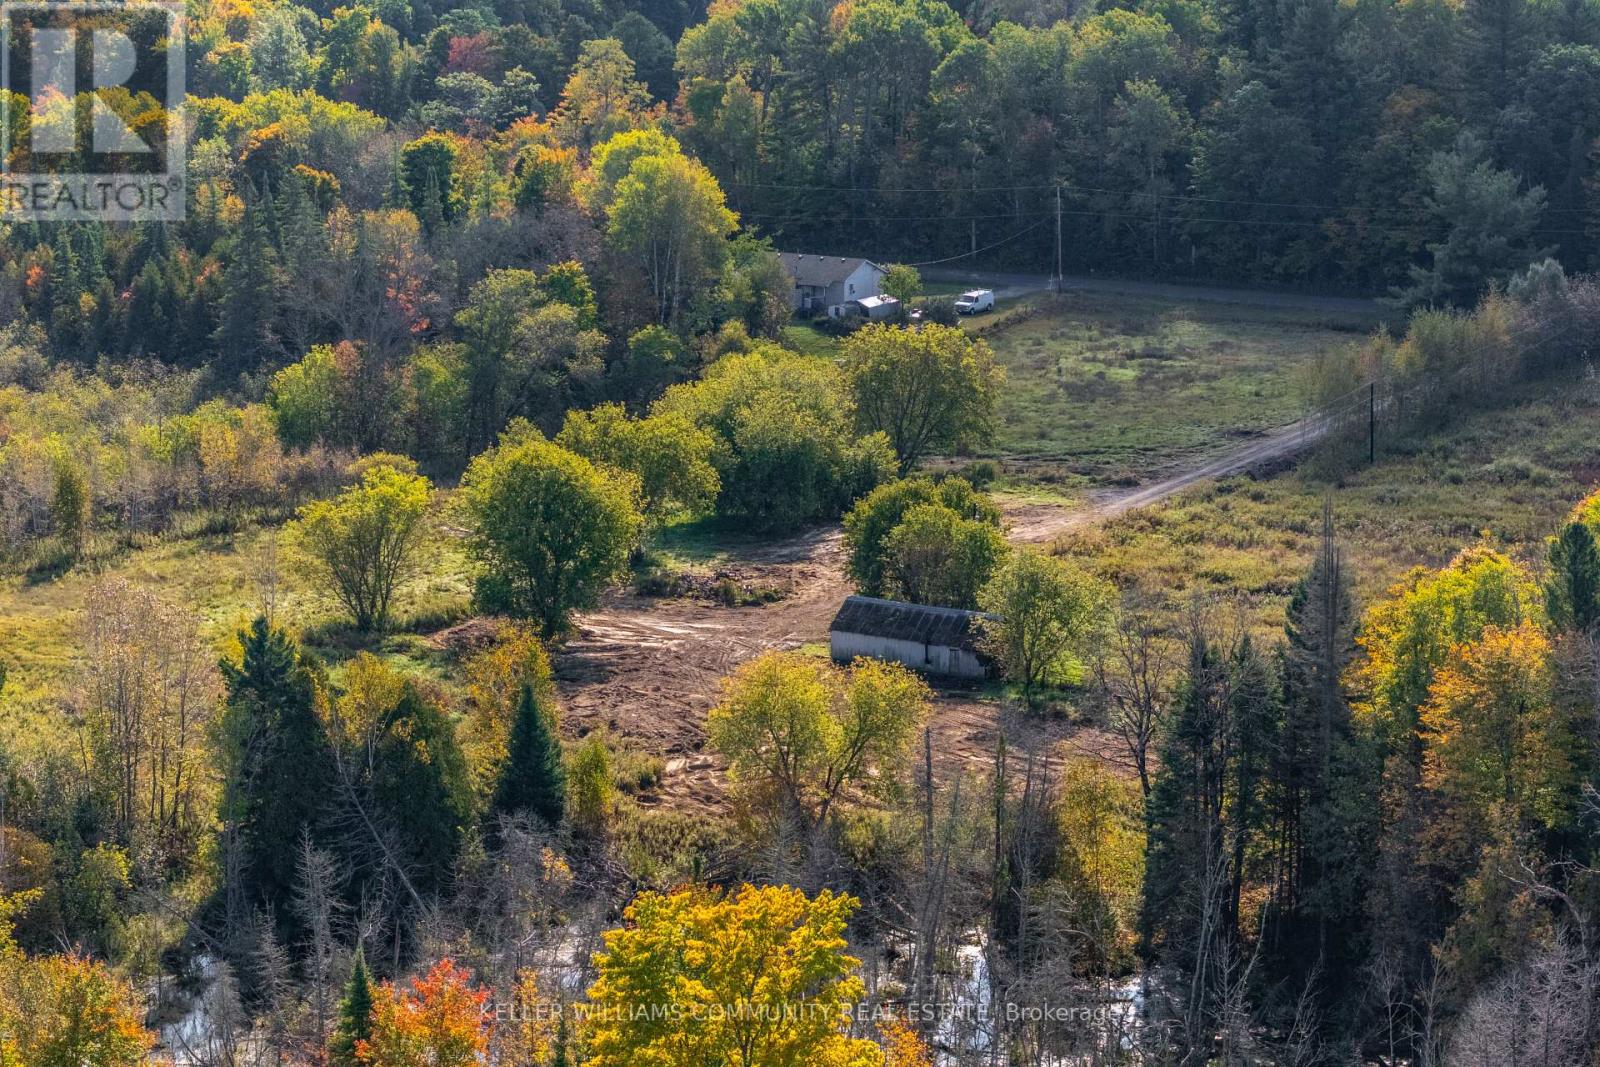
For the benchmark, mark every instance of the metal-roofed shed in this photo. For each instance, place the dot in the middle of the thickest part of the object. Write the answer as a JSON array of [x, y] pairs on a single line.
[[936, 640]]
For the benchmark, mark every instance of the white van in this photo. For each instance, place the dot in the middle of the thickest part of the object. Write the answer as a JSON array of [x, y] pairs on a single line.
[[974, 301]]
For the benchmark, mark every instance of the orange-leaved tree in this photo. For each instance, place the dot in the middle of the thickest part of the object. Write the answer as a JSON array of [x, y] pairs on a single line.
[[64, 1011], [440, 1021]]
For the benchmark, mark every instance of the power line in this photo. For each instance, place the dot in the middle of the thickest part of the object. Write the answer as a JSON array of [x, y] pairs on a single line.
[[975, 251]]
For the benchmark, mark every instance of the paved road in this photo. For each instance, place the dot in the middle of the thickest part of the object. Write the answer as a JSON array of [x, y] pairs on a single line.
[[1009, 286]]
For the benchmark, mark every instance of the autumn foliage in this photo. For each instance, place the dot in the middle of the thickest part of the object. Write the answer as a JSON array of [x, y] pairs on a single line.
[[439, 1021], [756, 977]]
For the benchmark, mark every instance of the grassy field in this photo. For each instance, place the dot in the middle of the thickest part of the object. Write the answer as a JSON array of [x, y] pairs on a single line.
[[1508, 475], [1511, 473], [221, 578], [1103, 387], [801, 336]]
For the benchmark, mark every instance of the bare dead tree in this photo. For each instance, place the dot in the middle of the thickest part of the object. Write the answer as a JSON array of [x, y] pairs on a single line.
[[935, 881], [1538, 1014], [368, 833], [1132, 673], [275, 989], [268, 578], [317, 903], [147, 688]]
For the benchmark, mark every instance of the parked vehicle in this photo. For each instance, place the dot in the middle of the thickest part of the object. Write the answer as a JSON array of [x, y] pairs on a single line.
[[974, 301]]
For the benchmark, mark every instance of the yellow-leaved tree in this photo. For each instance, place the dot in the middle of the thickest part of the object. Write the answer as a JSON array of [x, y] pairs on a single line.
[[1409, 634], [1101, 815], [902, 1047], [808, 732], [758, 978], [1493, 733], [64, 1011]]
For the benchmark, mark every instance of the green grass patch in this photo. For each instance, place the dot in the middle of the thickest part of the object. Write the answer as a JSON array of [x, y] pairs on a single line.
[[1508, 475], [1105, 387], [807, 339], [220, 577]]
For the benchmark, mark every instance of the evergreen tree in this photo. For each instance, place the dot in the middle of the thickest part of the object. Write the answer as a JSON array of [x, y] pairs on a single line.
[[559, 1059], [420, 783], [1324, 815], [1254, 722], [247, 308], [281, 768], [1488, 224], [1572, 589], [65, 282], [355, 1015], [1185, 853], [534, 779], [1207, 818]]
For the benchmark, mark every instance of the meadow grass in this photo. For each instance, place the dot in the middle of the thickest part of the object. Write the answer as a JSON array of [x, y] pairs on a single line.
[[1101, 386], [801, 336], [1508, 476], [221, 577]]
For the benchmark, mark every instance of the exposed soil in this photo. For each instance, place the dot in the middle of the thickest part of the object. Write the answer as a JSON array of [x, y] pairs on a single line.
[[649, 669]]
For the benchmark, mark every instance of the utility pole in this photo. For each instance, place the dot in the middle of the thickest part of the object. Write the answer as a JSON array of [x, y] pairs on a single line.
[[1060, 277]]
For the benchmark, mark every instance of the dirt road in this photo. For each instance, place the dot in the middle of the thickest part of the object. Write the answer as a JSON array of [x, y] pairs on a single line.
[[1038, 523], [648, 670]]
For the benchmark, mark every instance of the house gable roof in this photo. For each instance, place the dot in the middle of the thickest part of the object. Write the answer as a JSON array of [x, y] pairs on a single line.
[[899, 621], [822, 271]]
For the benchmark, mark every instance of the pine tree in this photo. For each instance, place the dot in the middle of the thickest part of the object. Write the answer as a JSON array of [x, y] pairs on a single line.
[[355, 1015], [431, 205], [247, 308], [1255, 720], [1572, 590], [1185, 814], [559, 1059], [534, 779], [65, 282], [281, 767], [420, 783]]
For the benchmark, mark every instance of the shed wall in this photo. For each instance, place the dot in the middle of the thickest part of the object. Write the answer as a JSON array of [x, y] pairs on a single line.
[[935, 659]]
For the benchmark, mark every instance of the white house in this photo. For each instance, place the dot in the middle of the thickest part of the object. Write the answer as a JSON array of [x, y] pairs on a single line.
[[933, 640], [821, 282]]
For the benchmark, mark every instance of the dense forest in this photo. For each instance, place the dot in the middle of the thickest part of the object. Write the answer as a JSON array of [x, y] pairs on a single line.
[[476, 316], [355, 172]]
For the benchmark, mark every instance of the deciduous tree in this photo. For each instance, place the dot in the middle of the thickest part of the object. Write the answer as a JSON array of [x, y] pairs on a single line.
[[811, 732], [669, 217], [934, 556], [875, 516], [756, 977], [550, 530], [1045, 611], [439, 1021], [364, 542], [928, 388], [671, 457]]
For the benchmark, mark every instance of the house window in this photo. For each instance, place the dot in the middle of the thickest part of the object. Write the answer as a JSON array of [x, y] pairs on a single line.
[[852, 288]]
